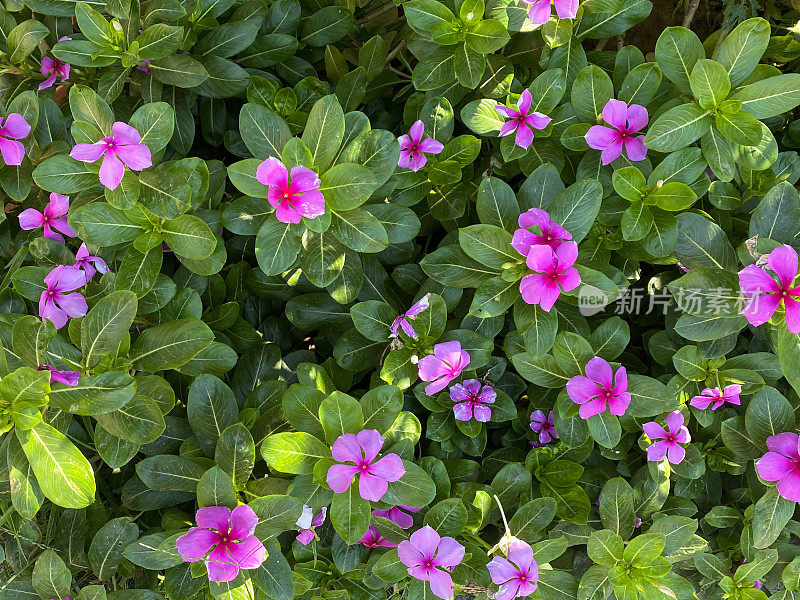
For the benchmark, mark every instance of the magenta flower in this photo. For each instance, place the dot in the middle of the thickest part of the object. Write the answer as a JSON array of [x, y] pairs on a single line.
[[13, 127], [225, 540], [625, 121], [596, 391], [552, 234], [782, 464], [517, 575], [402, 321], [55, 304], [123, 148], [374, 476], [89, 264], [472, 398], [414, 144], [308, 522], [523, 121], [553, 273], [719, 397], [539, 11], [764, 294], [543, 426], [373, 539], [294, 200], [66, 377], [444, 365], [669, 446], [426, 551], [52, 68], [144, 66], [54, 218]]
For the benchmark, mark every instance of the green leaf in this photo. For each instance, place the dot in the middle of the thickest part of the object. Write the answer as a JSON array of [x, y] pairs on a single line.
[[236, 453], [51, 577], [677, 51], [167, 473], [771, 96], [109, 543], [771, 514], [263, 131], [350, 515], [576, 207], [23, 39], [710, 83], [768, 413], [742, 49], [591, 91], [677, 128], [138, 422], [347, 186], [644, 549], [324, 130], [605, 547], [488, 244], [189, 237], [170, 345], [340, 414], [295, 453], [94, 394]]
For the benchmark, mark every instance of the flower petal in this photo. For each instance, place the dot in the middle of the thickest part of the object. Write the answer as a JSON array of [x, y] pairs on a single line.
[[243, 522], [371, 442], [214, 517], [125, 134], [615, 113], [340, 477], [195, 544], [346, 448]]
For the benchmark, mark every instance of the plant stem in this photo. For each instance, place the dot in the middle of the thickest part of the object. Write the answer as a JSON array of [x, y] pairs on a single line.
[[691, 9]]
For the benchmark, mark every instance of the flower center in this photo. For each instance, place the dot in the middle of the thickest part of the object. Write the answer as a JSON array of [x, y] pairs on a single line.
[[363, 467], [608, 394], [523, 577], [428, 564], [50, 293]]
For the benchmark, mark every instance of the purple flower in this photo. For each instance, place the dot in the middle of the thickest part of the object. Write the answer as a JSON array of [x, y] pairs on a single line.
[[12, 128], [66, 377], [553, 273], [624, 120], [444, 365], [55, 304], [52, 68], [53, 218], [307, 522], [145, 66], [765, 294], [552, 234], [472, 399], [539, 11], [543, 425], [671, 439], [719, 397], [123, 148], [517, 575], [637, 522], [373, 539], [600, 389], [89, 264], [413, 145], [522, 120], [426, 551], [225, 540], [374, 476], [294, 200], [782, 464], [403, 319]]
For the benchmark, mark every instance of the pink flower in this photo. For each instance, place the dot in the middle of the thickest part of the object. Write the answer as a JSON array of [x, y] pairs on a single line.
[[539, 11], [294, 200], [552, 234], [472, 398], [122, 149], [55, 304], [53, 218], [374, 476], [145, 66], [66, 377], [543, 425], [89, 264], [52, 68], [225, 540], [426, 551], [719, 397], [765, 294], [596, 391], [553, 273], [308, 522], [402, 321], [624, 120], [523, 121], [373, 539], [444, 365], [12, 128], [413, 145], [517, 575], [782, 464], [670, 440]]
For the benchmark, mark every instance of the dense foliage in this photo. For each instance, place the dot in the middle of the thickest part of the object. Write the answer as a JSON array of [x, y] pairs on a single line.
[[318, 300]]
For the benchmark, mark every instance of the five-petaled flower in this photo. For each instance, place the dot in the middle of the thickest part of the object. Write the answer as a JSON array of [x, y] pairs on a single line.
[[122, 148], [55, 303], [53, 219], [424, 552], [471, 398], [413, 145], [553, 272], [308, 523], [52, 68], [225, 540], [90, 264], [542, 424], [443, 366], [539, 10], [13, 127], [719, 397], [402, 320], [551, 233], [517, 575], [782, 464], [522, 120], [600, 389], [295, 200], [670, 439], [764, 294], [66, 377], [374, 475], [625, 121]]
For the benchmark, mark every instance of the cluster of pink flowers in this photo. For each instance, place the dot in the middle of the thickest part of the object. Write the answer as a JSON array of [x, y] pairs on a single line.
[[443, 366], [670, 439], [544, 427], [471, 398], [764, 294], [539, 10], [600, 389], [521, 119], [293, 199], [373, 538], [121, 149], [624, 121], [356, 454], [415, 145]]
